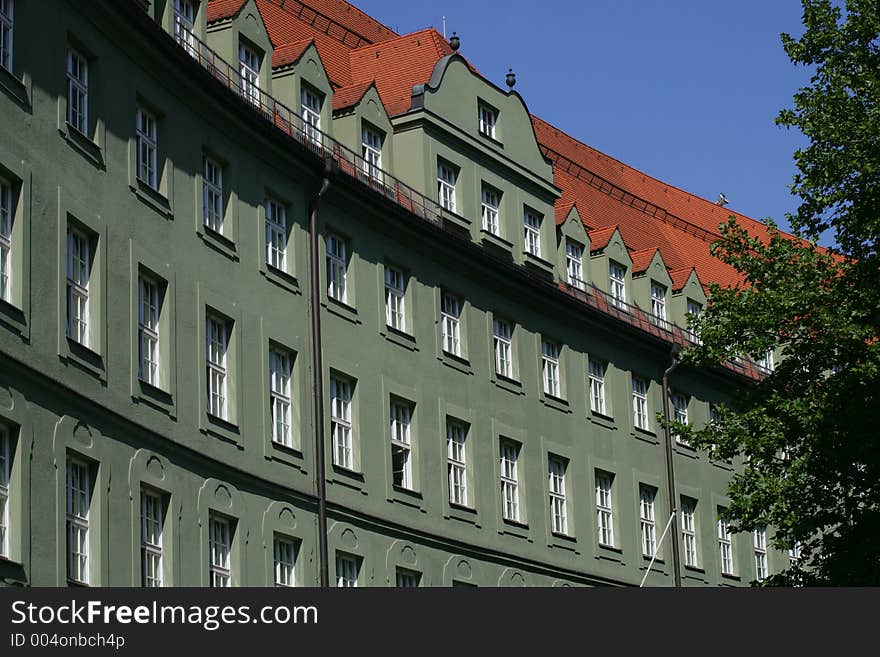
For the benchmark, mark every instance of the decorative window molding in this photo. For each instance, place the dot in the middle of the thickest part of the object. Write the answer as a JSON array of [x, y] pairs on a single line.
[[284, 551], [407, 579], [347, 570]]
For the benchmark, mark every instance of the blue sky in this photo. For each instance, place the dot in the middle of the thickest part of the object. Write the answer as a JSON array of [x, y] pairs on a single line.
[[684, 90]]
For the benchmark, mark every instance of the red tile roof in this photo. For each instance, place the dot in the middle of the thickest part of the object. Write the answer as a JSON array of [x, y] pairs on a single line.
[[218, 9], [641, 260], [290, 52], [324, 13], [349, 96], [599, 238], [680, 277]]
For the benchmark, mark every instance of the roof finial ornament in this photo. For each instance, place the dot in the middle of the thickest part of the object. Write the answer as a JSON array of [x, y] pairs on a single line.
[[722, 200], [511, 78], [454, 42]]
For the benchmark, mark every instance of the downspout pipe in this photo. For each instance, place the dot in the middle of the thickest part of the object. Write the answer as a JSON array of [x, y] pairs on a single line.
[[330, 167], [670, 467]]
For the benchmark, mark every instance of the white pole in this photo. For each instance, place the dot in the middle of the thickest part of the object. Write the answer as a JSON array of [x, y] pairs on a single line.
[[444, 27], [662, 536]]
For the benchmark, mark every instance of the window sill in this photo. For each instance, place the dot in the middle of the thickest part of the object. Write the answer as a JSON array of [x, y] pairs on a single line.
[[218, 242], [18, 90], [537, 262], [646, 558], [152, 198], [514, 528], [399, 338], [347, 477], [83, 357], [686, 450], [77, 584], [646, 435], [496, 241], [610, 553], [84, 145], [511, 385], [14, 318], [492, 140], [555, 402], [342, 309], [406, 496], [603, 420], [455, 219], [456, 362], [158, 398], [724, 465], [563, 541], [731, 576], [461, 513], [280, 278], [219, 428], [286, 454], [695, 573]]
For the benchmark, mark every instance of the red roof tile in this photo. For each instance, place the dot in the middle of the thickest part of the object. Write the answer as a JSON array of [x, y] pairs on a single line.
[[349, 96], [599, 238], [642, 259], [680, 277], [290, 52], [218, 9]]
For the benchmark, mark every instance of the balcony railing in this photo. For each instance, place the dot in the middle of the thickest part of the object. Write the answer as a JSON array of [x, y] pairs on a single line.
[[382, 182]]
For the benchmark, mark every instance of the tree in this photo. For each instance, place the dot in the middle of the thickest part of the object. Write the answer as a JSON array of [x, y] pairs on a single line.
[[808, 434]]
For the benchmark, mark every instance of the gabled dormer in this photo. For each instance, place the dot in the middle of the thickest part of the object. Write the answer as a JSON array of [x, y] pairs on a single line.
[[572, 248], [239, 37], [652, 285], [688, 296], [301, 83], [185, 20], [610, 264], [361, 123]]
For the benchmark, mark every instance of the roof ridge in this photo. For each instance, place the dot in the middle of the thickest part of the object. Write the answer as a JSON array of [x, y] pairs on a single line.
[[296, 8]]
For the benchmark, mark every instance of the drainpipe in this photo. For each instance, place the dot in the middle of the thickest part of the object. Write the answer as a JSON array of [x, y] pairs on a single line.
[[330, 167], [670, 470]]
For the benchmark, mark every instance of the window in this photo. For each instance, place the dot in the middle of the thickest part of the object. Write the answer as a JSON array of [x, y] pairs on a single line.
[[249, 69], [148, 330], [558, 517], [77, 91], [766, 361], [725, 544], [680, 414], [146, 148], [5, 469], [532, 234], [78, 273], [597, 386], [647, 527], [152, 523], [220, 548], [311, 115], [456, 462], [217, 342], [446, 176], [279, 397], [604, 518], [617, 283], [395, 299], [276, 234], [6, 34], [407, 579], [5, 240], [450, 318], [79, 494], [501, 337], [184, 20], [640, 403], [574, 264], [794, 554], [371, 151], [340, 421], [212, 195], [694, 309], [760, 542], [658, 304], [550, 368], [337, 264], [688, 531], [346, 571], [509, 484], [487, 118], [491, 201], [285, 561], [401, 444]]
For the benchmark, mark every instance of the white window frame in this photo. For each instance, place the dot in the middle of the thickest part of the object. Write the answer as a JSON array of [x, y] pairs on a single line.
[[689, 532], [508, 458], [550, 369], [149, 358], [487, 120], [77, 91], [341, 427], [6, 33], [147, 147], [456, 461], [759, 538], [79, 500], [604, 508], [78, 276], [647, 521], [680, 414], [450, 323], [401, 442], [347, 568], [406, 579], [216, 351], [280, 402], [696, 309], [249, 73], [641, 420], [491, 202], [766, 363], [212, 195], [5, 240], [556, 468], [574, 264], [284, 556], [596, 375], [395, 299], [725, 546], [337, 268], [371, 152], [794, 554], [658, 303], [617, 284], [532, 233], [152, 524], [276, 234], [219, 551], [311, 103], [446, 179], [184, 24], [502, 343], [5, 475]]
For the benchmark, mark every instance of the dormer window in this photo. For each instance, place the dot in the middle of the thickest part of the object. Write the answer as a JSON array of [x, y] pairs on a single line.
[[658, 303], [695, 309], [249, 68], [491, 201], [532, 233], [617, 284], [371, 151], [184, 20], [446, 176], [574, 264], [488, 117], [311, 114], [766, 363]]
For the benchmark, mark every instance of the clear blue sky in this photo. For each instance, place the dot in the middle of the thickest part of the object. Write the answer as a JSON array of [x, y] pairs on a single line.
[[685, 90]]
